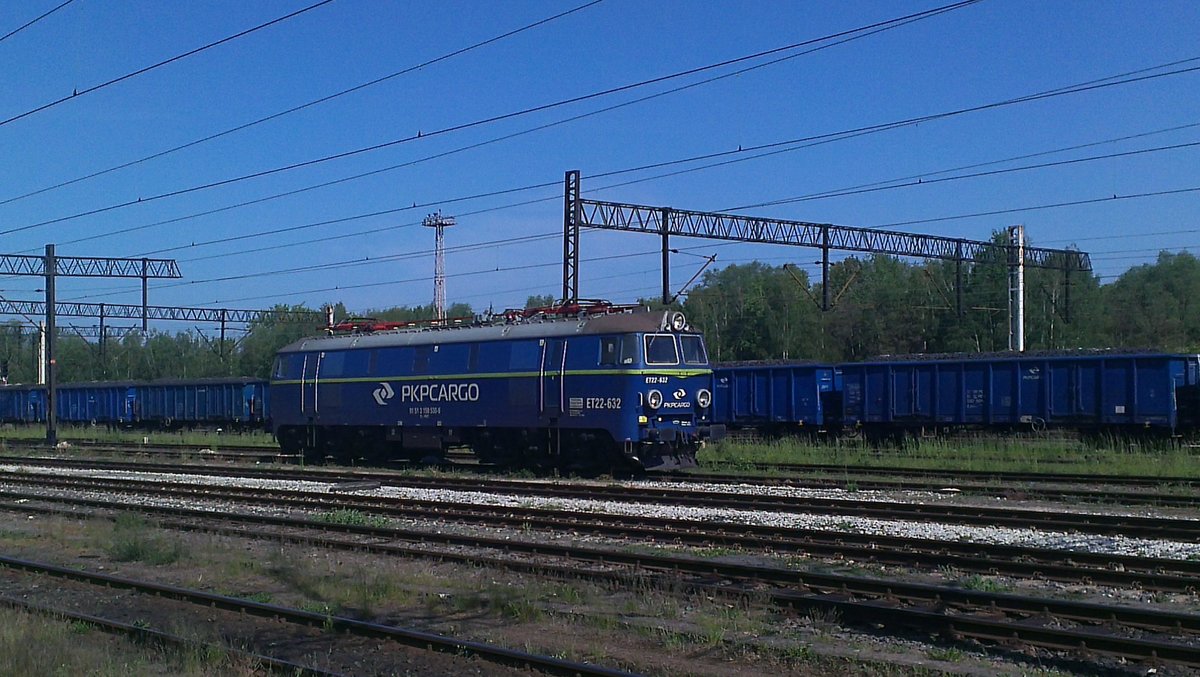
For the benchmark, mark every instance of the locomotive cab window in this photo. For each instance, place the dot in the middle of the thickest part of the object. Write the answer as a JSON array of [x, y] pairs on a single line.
[[617, 350], [693, 350], [333, 364], [660, 349], [629, 347], [610, 351]]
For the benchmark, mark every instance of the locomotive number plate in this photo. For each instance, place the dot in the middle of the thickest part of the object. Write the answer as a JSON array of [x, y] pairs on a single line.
[[602, 403]]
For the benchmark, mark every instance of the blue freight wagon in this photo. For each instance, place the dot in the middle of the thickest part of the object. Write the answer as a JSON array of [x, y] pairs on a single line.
[[1087, 391], [775, 397], [21, 404], [237, 402], [99, 403]]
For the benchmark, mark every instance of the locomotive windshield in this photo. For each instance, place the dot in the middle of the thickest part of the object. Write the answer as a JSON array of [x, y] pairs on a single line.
[[693, 350], [660, 349]]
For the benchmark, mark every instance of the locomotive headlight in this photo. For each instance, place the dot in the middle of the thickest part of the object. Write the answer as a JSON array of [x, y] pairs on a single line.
[[678, 321], [654, 399], [703, 398]]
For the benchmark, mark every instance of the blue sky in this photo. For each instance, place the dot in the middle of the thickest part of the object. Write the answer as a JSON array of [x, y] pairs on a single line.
[[502, 251]]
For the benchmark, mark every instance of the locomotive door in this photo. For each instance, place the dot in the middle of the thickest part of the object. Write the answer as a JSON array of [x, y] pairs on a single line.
[[311, 374], [552, 373]]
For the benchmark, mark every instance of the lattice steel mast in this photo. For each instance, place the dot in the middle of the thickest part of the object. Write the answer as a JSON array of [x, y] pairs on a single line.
[[439, 223]]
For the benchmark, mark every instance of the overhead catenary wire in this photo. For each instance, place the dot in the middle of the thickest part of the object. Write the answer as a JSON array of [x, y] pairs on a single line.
[[75, 94], [370, 261], [326, 184], [822, 138], [904, 20], [600, 175], [836, 192], [415, 206], [31, 22], [937, 219], [303, 106], [974, 175]]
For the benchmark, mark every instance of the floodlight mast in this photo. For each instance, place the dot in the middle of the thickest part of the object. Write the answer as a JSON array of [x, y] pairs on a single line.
[[439, 224]]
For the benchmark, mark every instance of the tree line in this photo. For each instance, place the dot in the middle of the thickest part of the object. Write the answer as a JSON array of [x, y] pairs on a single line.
[[880, 305]]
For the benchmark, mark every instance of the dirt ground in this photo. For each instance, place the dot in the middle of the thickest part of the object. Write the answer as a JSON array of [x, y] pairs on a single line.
[[647, 631]]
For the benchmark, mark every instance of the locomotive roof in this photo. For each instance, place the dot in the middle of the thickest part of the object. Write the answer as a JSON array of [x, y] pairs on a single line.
[[615, 323]]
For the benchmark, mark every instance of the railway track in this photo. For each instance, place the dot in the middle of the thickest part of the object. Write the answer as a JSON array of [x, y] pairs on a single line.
[[233, 452], [159, 638], [1129, 633], [1089, 523], [1160, 574], [1006, 484], [853, 480], [337, 624], [1003, 477]]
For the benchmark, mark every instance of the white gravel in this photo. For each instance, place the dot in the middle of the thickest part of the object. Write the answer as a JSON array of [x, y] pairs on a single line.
[[931, 530]]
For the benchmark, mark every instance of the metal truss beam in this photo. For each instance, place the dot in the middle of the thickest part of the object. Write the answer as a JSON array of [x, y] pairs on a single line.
[[176, 313], [80, 266], [665, 221]]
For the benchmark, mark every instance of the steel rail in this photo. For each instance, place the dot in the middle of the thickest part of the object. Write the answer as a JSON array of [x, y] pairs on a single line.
[[851, 478], [900, 606], [1092, 523], [144, 634], [993, 475], [1168, 575], [415, 638], [1080, 611], [848, 476]]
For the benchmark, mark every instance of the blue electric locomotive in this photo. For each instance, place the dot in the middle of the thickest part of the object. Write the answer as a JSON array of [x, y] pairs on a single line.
[[602, 388]]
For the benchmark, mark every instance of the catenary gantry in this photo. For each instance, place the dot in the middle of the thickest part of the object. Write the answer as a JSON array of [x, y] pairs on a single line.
[[667, 221]]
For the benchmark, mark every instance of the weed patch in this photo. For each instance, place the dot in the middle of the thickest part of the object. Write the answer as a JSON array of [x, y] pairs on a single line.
[[134, 540], [350, 517]]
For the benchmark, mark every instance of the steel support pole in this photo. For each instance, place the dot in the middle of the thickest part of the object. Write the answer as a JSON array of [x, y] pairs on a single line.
[[51, 268], [825, 268], [145, 295], [223, 333], [103, 364], [571, 214], [665, 218], [1016, 289], [1067, 295], [958, 279]]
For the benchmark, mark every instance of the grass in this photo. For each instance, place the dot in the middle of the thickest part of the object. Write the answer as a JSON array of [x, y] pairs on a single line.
[[212, 439], [1012, 454], [134, 540], [351, 517], [984, 584], [360, 592], [949, 654], [31, 644]]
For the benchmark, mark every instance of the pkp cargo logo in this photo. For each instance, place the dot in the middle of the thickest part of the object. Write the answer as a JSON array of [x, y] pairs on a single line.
[[680, 394], [383, 393]]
